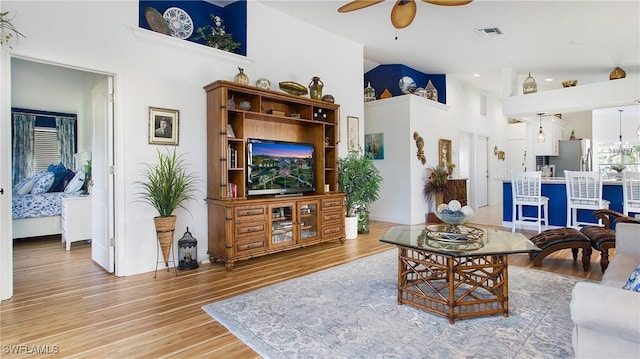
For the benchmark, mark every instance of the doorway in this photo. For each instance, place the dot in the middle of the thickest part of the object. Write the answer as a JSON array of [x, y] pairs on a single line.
[[46, 86]]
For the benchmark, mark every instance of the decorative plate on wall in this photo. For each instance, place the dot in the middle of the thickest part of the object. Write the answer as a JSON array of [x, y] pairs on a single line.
[[180, 22], [156, 22]]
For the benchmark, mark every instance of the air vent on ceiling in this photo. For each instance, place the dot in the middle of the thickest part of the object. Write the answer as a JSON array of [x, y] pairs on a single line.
[[489, 31]]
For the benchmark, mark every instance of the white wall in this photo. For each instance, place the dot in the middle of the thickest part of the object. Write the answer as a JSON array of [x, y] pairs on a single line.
[[401, 198], [102, 36], [38, 86]]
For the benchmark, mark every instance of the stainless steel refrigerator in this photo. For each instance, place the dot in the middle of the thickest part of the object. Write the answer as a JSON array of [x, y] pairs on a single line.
[[574, 155]]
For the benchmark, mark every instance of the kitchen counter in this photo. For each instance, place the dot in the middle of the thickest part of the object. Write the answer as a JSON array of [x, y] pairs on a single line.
[[556, 180], [554, 188]]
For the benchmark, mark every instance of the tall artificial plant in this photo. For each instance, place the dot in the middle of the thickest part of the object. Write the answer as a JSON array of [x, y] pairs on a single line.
[[167, 184]]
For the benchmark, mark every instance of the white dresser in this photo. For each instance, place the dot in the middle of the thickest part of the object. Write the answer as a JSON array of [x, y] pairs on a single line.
[[76, 219]]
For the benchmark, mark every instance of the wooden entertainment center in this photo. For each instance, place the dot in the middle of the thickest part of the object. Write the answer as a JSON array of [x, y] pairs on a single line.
[[243, 226]]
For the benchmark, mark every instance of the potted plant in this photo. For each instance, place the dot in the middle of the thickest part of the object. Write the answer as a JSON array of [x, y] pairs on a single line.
[[216, 36], [360, 180], [167, 185], [436, 184]]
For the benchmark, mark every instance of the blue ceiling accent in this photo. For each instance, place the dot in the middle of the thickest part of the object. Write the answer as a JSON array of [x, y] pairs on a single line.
[[387, 77]]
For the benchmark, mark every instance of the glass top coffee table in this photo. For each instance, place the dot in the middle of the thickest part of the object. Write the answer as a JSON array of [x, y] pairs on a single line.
[[455, 275]]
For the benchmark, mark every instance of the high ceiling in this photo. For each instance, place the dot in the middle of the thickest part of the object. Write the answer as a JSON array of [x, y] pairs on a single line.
[[559, 40]]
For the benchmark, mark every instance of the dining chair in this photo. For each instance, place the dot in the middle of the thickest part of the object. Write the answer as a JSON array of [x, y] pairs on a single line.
[[526, 190], [584, 192], [630, 193]]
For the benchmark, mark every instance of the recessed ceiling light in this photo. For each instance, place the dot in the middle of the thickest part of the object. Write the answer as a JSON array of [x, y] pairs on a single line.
[[548, 80], [476, 75]]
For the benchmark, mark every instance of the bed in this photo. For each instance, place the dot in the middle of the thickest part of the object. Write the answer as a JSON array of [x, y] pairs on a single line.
[[38, 214]]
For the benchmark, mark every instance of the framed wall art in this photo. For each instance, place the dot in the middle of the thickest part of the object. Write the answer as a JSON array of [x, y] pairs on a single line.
[[374, 145], [163, 126], [353, 133], [444, 152]]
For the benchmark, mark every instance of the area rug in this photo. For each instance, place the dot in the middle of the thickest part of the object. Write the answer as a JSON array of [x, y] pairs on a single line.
[[351, 311]]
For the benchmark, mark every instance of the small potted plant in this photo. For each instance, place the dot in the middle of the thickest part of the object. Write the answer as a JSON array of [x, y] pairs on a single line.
[[360, 180], [167, 185], [436, 184], [216, 36]]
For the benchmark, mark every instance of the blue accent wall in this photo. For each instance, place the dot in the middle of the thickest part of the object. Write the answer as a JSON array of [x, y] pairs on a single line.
[[234, 17], [388, 76]]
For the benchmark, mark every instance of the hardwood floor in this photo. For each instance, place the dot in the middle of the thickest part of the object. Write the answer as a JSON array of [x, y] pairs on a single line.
[[63, 302]]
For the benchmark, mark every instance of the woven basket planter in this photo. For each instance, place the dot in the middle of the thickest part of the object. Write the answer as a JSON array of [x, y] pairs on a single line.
[[165, 226]]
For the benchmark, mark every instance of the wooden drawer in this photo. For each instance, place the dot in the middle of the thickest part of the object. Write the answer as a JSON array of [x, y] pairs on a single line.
[[249, 213], [250, 229], [335, 202], [331, 216], [251, 246], [333, 231]]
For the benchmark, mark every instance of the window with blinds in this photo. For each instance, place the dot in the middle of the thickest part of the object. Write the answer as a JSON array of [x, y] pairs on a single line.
[[45, 151]]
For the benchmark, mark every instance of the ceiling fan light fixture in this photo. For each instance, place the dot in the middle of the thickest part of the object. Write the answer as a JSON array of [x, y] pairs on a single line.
[[403, 13]]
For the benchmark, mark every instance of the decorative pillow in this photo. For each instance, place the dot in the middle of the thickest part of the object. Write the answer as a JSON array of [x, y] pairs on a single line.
[[43, 184], [633, 283], [76, 183], [59, 171], [65, 181], [26, 186]]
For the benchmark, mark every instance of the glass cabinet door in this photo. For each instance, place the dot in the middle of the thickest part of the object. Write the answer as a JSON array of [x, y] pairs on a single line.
[[282, 224], [308, 220]]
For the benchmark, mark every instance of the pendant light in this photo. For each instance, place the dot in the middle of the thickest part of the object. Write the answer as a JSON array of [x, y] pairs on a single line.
[[540, 133]]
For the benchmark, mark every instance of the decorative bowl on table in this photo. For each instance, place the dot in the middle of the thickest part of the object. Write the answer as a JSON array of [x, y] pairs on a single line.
[[454, 214]]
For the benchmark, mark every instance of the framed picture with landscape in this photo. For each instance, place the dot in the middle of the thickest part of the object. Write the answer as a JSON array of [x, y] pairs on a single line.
[[163, 126], [374, 145]]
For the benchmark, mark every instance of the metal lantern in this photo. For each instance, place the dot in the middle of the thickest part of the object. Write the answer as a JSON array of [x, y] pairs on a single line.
[[529, 85], [187, 252]]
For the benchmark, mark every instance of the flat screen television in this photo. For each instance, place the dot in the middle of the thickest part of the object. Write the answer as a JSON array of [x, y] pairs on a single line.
[[279, 167]]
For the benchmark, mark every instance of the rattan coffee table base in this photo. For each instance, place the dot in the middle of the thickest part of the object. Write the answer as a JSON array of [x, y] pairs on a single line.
[[453, 286]]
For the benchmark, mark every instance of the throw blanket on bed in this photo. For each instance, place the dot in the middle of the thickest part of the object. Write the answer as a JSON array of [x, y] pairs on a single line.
[[37, 205]]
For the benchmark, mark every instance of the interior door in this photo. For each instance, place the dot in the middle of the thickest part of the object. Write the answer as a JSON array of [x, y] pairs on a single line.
[[482, 171], [102, 245]]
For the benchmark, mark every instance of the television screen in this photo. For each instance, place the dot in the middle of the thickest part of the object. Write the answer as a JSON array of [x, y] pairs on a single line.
[[278, 167]]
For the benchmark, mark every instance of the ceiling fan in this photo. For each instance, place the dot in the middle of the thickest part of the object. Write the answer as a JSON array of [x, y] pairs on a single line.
[[403, 11]]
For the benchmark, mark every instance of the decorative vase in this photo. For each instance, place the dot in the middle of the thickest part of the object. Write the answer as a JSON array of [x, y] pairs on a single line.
[[165, 226], [241, 77], [328, 98], [263, 83], [245, 105], [315, 88], [529, 85]]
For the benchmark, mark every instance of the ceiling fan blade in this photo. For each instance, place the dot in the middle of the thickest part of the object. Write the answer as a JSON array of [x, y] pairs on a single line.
[[448, 2], [403, 13], [357, 5]]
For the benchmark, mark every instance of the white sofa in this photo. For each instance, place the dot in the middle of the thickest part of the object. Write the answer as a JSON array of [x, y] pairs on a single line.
[[606, 317]]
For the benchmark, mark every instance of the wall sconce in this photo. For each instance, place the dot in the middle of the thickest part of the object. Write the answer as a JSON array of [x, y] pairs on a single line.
[[498, 153]]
